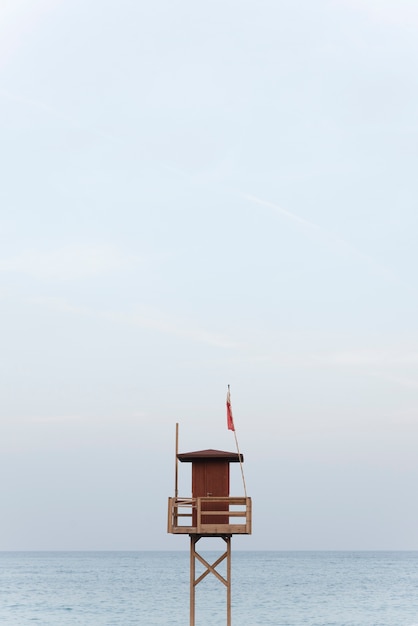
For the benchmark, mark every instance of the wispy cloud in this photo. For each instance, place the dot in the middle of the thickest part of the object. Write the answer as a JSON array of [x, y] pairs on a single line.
[[319, 230], [160, 322], [56, 419], [70, 262], [180, 329], [401, 381], [57, 114], [369, 358], [4, 93], [145, 318], [365, 360], [86, 418], [401, 13], [278, 209], [331, 238]]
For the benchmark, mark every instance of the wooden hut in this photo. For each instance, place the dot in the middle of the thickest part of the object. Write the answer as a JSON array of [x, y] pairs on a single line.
[[211, 510]]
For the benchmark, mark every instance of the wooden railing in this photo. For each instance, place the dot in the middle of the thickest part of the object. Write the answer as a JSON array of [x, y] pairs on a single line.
[[209, 515]]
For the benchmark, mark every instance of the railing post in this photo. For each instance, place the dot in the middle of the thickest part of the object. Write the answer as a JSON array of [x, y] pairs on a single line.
[[198, 515], [169, 516], [248, 516]]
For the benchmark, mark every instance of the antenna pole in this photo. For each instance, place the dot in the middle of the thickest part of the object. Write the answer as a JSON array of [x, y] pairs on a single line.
[[176, 480]]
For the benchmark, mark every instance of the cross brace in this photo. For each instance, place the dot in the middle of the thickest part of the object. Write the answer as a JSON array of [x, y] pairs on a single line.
[[210, 569]]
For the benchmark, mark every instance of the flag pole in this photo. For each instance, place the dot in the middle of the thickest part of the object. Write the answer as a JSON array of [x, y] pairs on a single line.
[[231, 426], [240, 462]]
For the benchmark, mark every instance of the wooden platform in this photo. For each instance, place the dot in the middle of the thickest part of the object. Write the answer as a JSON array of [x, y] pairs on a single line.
[[192, 516]]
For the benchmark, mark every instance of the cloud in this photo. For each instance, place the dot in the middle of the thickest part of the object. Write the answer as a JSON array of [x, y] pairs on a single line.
[[400, 13], [70, 262], [308, 225], [372, 361], [103, 418], [180, 329], [332, 239], [284, 212], [57, 419], [155, 320], [402, 381], [146, 318], [58, 114], [370, 358]]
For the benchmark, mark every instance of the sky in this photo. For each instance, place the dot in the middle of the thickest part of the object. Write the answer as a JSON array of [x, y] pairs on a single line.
[[195, 195]]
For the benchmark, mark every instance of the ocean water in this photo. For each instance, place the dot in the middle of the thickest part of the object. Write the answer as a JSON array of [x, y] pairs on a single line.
[[268, 588]]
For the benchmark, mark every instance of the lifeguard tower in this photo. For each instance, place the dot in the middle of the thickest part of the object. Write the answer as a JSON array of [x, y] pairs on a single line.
[[210, 512]]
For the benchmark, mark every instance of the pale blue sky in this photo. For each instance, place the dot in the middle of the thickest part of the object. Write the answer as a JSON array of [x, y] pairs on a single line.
[[201, 194]]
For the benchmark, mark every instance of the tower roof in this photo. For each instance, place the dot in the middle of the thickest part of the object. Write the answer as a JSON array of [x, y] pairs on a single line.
[[210, 455]]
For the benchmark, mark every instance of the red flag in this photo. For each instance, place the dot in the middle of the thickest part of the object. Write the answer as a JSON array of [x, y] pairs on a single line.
[[229, 418]]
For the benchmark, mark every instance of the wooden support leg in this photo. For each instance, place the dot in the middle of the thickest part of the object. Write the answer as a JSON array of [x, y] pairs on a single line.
[[210, 569], [228, 578], [193, 540]]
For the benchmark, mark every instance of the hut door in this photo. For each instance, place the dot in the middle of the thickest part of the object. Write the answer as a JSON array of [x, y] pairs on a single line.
[[211, 479], [217, 479]]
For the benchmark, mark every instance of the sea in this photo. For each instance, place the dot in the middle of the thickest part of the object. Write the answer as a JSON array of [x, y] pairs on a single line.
[[150, 588]]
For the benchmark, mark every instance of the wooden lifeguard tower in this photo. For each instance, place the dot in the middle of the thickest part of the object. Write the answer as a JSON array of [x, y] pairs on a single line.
[[209, 512]]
